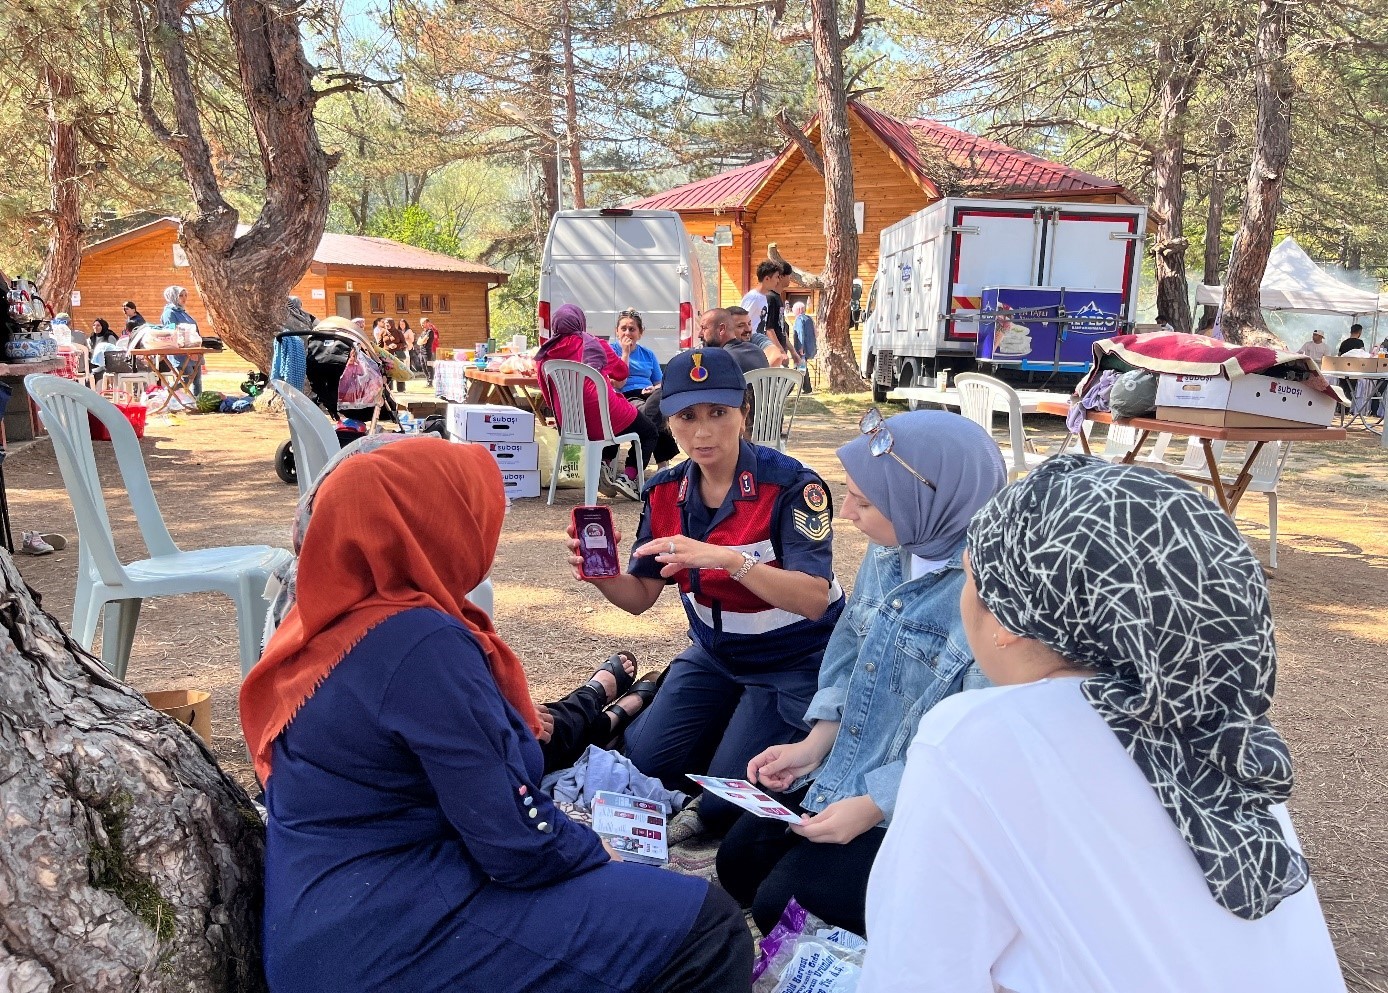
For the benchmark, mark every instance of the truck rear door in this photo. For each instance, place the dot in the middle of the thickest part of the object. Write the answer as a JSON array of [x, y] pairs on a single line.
[[993, 245]]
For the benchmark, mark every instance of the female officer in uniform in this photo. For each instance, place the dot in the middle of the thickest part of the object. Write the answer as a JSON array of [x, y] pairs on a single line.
[[744, 531]]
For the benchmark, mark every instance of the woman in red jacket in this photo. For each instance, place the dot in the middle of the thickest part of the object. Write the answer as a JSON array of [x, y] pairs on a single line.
[[573, 343]]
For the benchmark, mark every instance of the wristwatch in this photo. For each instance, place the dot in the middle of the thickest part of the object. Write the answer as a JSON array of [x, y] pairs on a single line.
[[748, 560]]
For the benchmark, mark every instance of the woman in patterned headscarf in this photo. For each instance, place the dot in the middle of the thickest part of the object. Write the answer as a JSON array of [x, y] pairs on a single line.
[[1111, 816]]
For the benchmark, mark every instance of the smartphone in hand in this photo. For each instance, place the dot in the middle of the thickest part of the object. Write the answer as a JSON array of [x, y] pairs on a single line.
[[597, 542]]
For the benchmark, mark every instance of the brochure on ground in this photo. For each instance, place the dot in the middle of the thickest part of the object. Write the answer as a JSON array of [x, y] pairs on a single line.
[[635, 828]]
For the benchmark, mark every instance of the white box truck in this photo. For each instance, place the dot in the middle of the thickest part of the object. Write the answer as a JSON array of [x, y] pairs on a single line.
[[606, 261], [1021, 284]]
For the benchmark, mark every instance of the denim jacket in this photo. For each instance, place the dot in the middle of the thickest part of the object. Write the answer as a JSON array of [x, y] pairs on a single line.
[[898, 650]]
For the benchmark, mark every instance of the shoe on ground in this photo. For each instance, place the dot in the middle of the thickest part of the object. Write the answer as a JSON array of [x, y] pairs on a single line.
[[58, 541], [33, 544], [606, 486], [626, 486]]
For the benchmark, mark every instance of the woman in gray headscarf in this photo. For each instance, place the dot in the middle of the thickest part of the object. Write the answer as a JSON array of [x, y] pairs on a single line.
[[1111, 814], [914, 481]]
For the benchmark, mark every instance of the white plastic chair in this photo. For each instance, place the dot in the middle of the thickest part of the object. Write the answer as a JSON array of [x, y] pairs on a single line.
[[771, 393], [979, 397], [1264, 475], [311, 433], [566, 381], [104, 583], [314, 438]]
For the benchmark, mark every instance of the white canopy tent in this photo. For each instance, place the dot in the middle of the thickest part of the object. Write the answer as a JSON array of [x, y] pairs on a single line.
[[1294, 282]]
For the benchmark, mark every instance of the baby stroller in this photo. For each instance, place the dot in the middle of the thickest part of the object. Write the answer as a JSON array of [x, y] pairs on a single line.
[[326, 352]]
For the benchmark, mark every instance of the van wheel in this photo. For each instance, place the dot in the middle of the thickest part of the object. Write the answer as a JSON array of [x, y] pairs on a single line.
[[284, 464], [879, 392]]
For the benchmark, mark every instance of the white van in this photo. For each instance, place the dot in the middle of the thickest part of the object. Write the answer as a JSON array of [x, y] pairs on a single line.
[[606, 261]]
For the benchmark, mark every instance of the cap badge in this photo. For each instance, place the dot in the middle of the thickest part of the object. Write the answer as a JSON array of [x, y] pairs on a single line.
[[697, 372]]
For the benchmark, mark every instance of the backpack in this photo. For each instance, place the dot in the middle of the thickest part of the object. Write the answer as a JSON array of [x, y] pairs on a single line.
[[361, 384]]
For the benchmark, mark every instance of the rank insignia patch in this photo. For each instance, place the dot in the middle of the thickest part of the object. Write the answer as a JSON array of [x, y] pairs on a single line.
[[812, 526]]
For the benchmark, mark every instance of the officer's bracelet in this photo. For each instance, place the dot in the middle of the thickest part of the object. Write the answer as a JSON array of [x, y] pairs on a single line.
[[748, 560]]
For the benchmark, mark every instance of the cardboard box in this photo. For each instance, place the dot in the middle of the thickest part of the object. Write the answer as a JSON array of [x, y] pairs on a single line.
[[488, 422], [519, 485], [1339, 363], [191, 707], [1248, 401], [518, 456]]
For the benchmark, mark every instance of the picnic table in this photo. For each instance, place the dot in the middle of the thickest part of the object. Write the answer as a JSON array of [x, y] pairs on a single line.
[[1360, 411], [171, 376], [463, 382], [1228, 493]]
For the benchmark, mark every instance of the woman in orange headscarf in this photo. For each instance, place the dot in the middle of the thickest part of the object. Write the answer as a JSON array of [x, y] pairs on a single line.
[[409, 845]]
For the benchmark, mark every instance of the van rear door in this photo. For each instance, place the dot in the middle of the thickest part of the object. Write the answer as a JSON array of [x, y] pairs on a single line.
[[648, 265]]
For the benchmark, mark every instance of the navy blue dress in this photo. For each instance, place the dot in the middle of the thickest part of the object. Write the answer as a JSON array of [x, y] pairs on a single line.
[[409, 846]]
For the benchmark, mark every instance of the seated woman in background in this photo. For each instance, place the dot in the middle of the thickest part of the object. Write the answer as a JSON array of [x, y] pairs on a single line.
[[572, 342], [1112, 814], [409, 846], [175, 312], [642, 386], [898, 649], [745, 533]]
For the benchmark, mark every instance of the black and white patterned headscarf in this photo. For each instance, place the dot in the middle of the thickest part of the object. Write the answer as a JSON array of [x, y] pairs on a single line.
[[1132, 573]]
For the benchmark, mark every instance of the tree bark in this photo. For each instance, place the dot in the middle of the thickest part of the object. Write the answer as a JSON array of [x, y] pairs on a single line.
[[245, 280], [1242, 318], [1179, 62], [128, 860], [1214, 214], [572, 145], [841, 242], [58, 276]]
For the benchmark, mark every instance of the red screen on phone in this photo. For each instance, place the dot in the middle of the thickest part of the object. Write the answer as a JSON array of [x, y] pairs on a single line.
[[597, 542]]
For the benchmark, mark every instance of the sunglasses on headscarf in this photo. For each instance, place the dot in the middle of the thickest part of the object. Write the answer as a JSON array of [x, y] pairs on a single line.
[[874, 425]]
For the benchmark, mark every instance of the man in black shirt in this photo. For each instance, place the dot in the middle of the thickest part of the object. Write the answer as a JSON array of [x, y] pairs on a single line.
[[133, 317], [1355, 339]]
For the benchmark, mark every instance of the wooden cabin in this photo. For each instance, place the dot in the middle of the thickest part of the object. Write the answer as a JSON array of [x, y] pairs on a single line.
[[899, 167], [351, 276]]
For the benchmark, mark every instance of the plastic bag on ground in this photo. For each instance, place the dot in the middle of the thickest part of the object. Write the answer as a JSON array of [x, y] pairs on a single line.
[[803, 954], [570, 467]]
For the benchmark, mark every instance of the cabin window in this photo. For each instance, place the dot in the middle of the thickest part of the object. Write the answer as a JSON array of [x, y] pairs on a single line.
[[444, 306], [402, 303], [426, 303], [378, 303]]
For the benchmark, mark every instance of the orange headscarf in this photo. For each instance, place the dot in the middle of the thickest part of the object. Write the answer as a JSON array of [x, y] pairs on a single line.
[[413, 524]]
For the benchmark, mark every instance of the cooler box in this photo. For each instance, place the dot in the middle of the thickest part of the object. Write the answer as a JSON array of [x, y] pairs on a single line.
[[520, 456], [1245, 402], [489, 422], [519, 485]]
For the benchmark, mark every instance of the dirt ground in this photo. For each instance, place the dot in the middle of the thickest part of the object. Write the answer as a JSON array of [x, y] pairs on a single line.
[[216, 485]]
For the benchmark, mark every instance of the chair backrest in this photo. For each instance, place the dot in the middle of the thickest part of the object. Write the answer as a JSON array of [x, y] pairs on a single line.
[[1267, 467], [1118, 442], [771, 391], [65, 406], [980, 396], [566, 380], [311, 432]]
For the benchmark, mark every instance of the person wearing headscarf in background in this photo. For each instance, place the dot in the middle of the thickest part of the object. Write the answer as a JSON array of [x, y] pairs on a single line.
[[745, 534], [571, 342], [103, 340], [417, 851], [914, 481], [1111, 815], [175, 312], [296, 318]]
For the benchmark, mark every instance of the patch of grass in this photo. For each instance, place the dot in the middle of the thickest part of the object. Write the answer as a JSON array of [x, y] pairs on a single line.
[[111, 871]]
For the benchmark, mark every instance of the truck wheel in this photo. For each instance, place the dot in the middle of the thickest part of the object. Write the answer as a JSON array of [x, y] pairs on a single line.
[[879, 392], [284, 464]]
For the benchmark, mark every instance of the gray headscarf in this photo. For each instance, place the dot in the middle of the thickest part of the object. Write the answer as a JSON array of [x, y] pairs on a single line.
[[953, 452], [1132, 573], [172, 293]]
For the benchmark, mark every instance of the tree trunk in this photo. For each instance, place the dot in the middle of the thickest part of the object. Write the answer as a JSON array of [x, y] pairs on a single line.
[[572, 145], [1242, 318], [245, 281], [841, 256], [58, 276], [128, 860], [1214, 214], [1178, 62]]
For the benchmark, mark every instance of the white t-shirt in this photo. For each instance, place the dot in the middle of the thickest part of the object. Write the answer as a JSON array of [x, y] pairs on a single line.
[[755, 304], [1316, 350], [1028, 853]]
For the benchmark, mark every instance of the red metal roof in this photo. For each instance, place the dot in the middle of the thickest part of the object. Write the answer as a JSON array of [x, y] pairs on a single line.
[[938, 157], [725, 191]]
